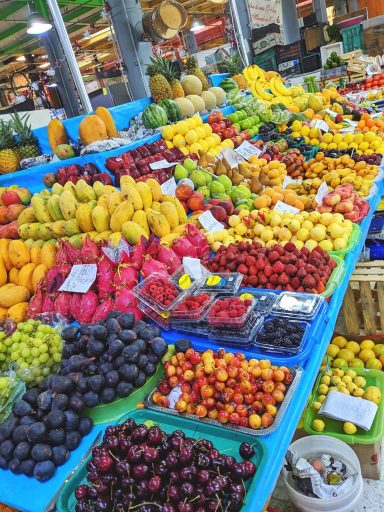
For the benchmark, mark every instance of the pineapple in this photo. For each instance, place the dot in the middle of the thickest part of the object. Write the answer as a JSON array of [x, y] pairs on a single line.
[[28, 143], [158, 84], [234, 66], [9, 159], [193, 69], [171, 73]]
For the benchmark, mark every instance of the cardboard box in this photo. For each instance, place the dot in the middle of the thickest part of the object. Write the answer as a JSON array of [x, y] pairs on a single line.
[[269, 41], [312, 37], [369, 456]]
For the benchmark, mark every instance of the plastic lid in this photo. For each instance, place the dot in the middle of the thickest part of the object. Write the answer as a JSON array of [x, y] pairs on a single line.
[[192, 307], [297, 305], [243, 337], [282, 335], [223, 283], [159, 292]]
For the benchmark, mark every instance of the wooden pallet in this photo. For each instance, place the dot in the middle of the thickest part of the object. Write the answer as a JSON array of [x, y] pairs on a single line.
[[363, 306]]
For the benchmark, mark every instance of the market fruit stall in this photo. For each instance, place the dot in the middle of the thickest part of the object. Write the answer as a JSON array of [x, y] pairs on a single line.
[[145, 325]]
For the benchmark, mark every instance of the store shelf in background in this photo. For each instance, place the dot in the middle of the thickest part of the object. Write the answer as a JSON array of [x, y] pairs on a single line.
[[311, 63]]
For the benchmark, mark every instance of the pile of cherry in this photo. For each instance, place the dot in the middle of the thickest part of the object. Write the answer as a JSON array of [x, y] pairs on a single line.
[[144, 469]]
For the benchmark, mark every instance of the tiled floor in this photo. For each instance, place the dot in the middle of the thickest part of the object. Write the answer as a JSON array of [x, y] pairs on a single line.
[[373, 500]]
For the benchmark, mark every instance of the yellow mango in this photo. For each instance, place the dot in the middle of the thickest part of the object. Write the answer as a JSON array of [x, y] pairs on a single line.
[[100, 218], [13, 276], [18, 254], [169, 211], [38, 274], [17, 312], [25, 276], [3, 313], [11, 295], [133, 232], [4, 252], [3, 272], [140, 217], [123, 213], [35, 253], [145, 193], [48, 255], [158, 223]]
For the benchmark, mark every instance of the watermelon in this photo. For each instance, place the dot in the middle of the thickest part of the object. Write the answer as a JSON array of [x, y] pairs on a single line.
[[172, 109], [154, 116], [228, 84]]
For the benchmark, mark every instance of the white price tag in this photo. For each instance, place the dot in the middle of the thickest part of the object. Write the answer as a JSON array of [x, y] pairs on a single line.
[[247, 150], [351, 123], [376, 115], [321, 125], [174, 396], [288, 181], [169, 187], [209, 223], [115, 252], [331, 112], [232, 157], [322, 191], [192, 266], [285, 208], [161, 164], [349, 129], [80, 279]]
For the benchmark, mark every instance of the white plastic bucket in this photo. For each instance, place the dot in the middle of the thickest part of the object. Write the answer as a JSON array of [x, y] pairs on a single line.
[[311, 447]]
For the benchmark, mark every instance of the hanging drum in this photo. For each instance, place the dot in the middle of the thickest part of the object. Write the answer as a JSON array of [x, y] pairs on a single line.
[[172, 14]]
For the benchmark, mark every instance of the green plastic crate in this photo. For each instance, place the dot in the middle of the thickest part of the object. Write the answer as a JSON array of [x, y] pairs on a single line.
[[335, 278], [335, 428], [106, 413], [353, 240], [224, 440], [352, 38], [267, 60]]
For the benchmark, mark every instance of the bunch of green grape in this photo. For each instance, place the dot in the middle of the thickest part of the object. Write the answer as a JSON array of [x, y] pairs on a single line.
[[33, 348], [11, 389]]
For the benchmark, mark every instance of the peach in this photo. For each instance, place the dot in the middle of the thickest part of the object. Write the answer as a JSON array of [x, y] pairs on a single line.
[[183, 192], [219, 213], [25, 195], [10, 197], [196, 201]]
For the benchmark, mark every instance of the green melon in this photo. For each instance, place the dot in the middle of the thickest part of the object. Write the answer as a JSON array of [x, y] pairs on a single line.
[[209, 99], [197, 101], [186, 107], [220, 95], [154, 116], [172, 109]]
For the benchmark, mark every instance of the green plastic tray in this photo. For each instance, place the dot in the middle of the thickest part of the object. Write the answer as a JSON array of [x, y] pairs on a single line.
[[353, 240], [335, 428], [107, 413], [335, 278], [308, 155], [225, 441]]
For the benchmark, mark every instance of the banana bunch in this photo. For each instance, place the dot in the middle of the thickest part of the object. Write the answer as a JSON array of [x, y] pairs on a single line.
[[258, 89], [278, 88], [251, 73], [103, 212]]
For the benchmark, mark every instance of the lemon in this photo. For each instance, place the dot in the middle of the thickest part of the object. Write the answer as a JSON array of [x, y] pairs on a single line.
[[169, 144], [369, 344], [349, 428], [191, 137], [348, 138], [337, 138], [332, 145], [200, 132], [340, 341], [314, 142], [353, 346], [342, 145], [195, 148], [296, 126], [212, 152], [296, 134], [323, 145], [318, 425], [182, 127], [168, 132], [178, 140], [198, 120], [346, 354], [380, 150], [305, 130], [191, 123], [363, 146], [204, 144], [369, 136], [359, 138], [210, 141], [314, 133], [207, 129], [328, 137], [306, 140], [353, 145], [184, 150], [229, 143], [333, 350], [216, 139]]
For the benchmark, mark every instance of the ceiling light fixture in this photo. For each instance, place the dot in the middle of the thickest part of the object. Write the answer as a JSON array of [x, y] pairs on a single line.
[[45, 65], [20, 58], [37, 24], [196, 25]]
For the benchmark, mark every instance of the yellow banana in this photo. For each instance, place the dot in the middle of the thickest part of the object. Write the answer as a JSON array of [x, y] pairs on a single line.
[[280, 87], [261, 92]]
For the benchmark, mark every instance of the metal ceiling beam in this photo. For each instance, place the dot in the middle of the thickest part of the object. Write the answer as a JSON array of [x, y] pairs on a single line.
[[11, 9], [90, 3], [11, 30], [24, 41]]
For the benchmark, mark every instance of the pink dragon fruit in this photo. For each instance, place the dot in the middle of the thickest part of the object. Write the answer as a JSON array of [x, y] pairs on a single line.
[[135, 311], [75, 304], [35, 305], [90, 252], [125, 276], [183, 247], [137, 256], [198, 240], [105, 275], [62, 303], [48, 304], [124, 299], [103, 309], [67, 253], [150, 266], [88, 306], [56, 276], [169, 258]]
